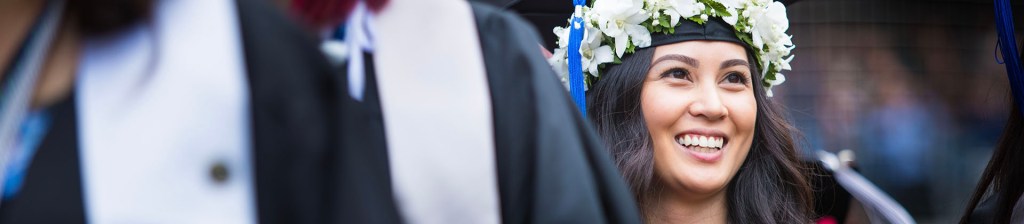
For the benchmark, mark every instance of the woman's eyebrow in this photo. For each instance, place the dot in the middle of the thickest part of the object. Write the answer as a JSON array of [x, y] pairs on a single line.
[[734, 62], [678, 57]]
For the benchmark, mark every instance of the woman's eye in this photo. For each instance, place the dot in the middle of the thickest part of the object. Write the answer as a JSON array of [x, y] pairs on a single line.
[[735, 77], [676, 73]]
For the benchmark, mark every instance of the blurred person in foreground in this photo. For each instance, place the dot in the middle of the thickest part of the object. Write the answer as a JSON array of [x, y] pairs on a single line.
[[141, 111], [451, 115]]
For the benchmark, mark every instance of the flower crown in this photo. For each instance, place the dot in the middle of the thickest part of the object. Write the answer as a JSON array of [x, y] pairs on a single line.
[[616, 27]]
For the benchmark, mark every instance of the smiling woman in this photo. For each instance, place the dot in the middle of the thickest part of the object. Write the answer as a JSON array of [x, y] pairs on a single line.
[[689, 122], [690, 108], [696, 139]]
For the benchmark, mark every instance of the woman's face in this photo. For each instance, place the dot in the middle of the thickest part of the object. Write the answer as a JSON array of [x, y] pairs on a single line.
[[698, 103]]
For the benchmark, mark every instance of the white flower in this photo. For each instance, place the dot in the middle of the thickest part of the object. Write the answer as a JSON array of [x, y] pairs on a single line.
[[618, 9], [640, 36], [620, 20], [622, 30], [591, 37], [673, 17], [769, 25], [559, 63], [592, 52], [783, 63], [733, 16], [593, 57], [612, 25], [685, 8], [779, 79], [563, 36]]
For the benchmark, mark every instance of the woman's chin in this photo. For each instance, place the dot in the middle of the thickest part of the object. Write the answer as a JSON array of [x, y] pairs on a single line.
[[701, 186]]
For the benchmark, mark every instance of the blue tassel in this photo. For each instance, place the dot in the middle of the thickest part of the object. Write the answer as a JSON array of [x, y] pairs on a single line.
[[1008, 47], [576, 88]]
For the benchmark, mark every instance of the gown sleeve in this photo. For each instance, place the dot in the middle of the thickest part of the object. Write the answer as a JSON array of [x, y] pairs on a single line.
[[552, 166]]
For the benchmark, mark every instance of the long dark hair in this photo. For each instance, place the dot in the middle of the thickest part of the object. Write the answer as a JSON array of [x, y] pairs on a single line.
[[1004, 171], [770, 186]]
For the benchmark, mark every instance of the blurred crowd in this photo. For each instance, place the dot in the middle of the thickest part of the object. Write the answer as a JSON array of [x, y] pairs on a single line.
[[912, 87]]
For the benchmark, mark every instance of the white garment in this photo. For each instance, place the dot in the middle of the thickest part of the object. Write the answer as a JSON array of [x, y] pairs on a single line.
[[436, 104], [159, 105], [359, 37]]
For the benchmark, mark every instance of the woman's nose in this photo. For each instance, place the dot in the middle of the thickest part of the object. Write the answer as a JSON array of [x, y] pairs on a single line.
[[708, 104]]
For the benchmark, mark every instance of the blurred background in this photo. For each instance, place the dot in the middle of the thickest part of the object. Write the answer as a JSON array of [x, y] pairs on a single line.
[[912, 87]]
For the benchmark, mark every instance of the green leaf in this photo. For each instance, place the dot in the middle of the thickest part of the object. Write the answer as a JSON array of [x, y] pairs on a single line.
[[697, 20], [740, 23], [745, 37], [718, 7], [770, 75]]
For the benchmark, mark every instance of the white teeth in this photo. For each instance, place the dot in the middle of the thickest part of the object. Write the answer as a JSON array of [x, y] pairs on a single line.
[[701, 141]]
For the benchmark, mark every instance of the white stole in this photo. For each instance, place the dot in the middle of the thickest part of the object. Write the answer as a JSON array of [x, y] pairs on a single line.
[[437, 112], [160, 105]]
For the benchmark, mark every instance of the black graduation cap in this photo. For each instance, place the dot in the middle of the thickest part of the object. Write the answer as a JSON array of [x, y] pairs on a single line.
[[547, 14]]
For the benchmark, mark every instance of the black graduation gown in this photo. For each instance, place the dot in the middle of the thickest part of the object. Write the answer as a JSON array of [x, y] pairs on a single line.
[[293, 104], [552, 168]]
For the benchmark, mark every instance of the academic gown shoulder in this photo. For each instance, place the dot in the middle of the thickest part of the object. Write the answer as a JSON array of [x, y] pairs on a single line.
[[292, 106], [552, 168]]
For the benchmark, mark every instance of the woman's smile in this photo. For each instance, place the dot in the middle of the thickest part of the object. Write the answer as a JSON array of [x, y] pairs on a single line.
[[705, 145]]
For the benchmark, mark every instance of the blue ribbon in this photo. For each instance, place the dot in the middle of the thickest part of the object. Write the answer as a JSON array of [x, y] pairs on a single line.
[[1008, 47], [576, 88], [32, 133]]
